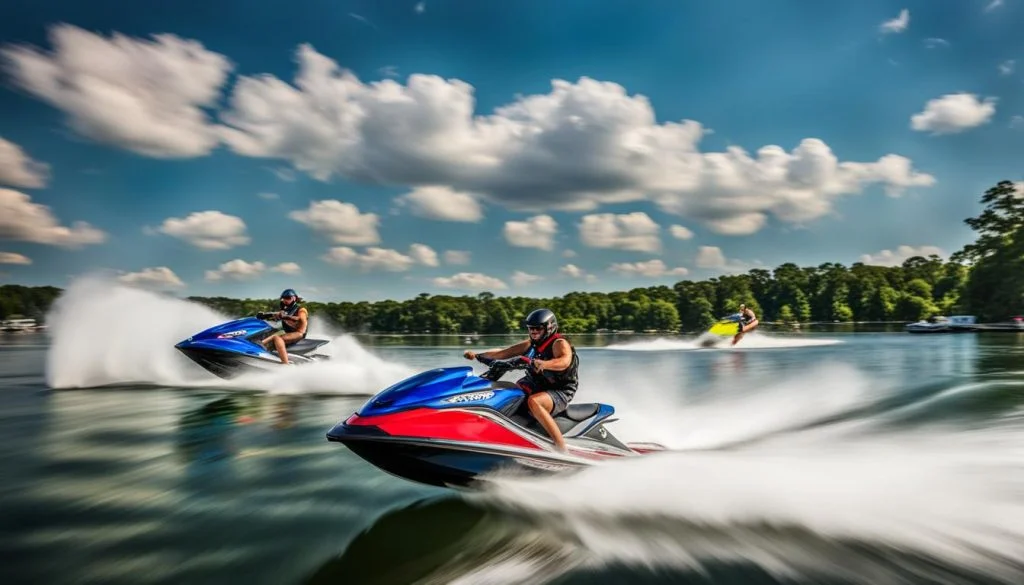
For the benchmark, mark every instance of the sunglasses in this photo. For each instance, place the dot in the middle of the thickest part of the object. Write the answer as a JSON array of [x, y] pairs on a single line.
[[535, 327]]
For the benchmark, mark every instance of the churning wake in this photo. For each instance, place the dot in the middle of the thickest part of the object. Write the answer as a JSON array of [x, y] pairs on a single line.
[[780, 478], [104, 333], [753, 340]]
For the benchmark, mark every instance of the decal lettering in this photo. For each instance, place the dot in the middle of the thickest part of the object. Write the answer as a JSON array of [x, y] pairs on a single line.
[[469, 397]]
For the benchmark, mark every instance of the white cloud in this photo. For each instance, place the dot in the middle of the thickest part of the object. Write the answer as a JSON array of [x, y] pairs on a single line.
[[473, 281], [17, 169], [650, 268], [712, 258], [520, 278], [933, 42], [896, 25], [287, 268], [14, 258], [340, 222], [1006, 67], [208, 230], [457, 257], [442, 203], [422, 6], [423, 254], [374, 259], [142, 95], [1017, 121], [573, 271], [581, 145], [22, 220], [681, 233], [236, 269], [629, 231], [953, 113], [890, 258], [993, 5], [569, 254], [160, 277], [536, 232]]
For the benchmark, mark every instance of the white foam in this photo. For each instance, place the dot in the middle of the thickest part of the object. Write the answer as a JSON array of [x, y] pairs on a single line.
[[754, 340], [952, 493], [104, 333]]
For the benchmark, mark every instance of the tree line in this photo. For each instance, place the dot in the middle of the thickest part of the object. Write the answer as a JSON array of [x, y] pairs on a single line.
[[986, 279]]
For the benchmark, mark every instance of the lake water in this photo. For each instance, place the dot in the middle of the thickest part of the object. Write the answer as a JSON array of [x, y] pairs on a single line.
[[799, 458]]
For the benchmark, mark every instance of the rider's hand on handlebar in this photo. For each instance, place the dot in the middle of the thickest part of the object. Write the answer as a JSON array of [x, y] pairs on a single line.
[[469, 355]]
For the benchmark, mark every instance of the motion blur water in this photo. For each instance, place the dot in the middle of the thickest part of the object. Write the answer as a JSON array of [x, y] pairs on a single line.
[[797, 458]]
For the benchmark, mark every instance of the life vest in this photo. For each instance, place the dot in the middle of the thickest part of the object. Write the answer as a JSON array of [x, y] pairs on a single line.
[[567, 380], [290, 312]]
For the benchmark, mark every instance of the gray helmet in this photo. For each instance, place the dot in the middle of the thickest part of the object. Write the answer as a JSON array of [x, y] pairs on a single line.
[[543, 318]]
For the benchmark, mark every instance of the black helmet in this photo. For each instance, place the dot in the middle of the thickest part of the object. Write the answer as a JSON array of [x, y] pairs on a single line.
[[543, 318]]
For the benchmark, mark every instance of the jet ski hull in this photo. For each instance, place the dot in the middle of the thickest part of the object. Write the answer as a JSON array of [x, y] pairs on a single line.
[[232, 349], [454, 447]]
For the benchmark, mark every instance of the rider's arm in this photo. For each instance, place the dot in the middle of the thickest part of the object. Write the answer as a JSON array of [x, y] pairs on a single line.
[[302, 319], [510, 351], [562, 358]]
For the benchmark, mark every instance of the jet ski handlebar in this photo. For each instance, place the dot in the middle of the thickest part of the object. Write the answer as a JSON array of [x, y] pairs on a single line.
[[497, 368]]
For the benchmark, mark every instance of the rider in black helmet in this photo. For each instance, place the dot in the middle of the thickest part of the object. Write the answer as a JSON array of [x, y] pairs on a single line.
[[294, 320], [551, 383]]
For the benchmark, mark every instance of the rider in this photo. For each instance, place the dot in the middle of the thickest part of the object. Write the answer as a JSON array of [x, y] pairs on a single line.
[[294, 320], [747, 323], [551, 382]]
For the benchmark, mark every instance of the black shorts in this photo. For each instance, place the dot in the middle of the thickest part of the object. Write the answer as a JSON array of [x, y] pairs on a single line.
[[559, 398]]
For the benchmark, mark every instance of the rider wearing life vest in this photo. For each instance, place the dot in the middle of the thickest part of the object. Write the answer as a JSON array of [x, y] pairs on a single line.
[[552, 381], [294, 321], [747, 323]]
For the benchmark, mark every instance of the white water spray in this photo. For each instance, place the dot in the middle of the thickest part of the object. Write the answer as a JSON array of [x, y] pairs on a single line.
[[946, 492], [755, 340], [104, 333]]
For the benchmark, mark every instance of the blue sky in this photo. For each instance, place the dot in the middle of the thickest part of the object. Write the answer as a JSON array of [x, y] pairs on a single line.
[[367, 150]]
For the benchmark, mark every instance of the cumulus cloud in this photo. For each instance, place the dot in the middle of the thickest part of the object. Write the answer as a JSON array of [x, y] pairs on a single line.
[[236, 269], [287, 268], [14, 258], [681, 233], [442, 203], [536, 232], [208, 230], [629, 231], [471, 281], [423, 254], [457, 257], [342, 223], [158, 278], [17, 169], [712, 258], [953, 113], [23, 220], [142, 95], [374, 258], [573, 271], [576, 147], [896, 25], [520, 278], [902, 253], [650, 268]]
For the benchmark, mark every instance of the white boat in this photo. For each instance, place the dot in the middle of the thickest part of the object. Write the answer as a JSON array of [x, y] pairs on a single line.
[[942, 324], [17, 325]]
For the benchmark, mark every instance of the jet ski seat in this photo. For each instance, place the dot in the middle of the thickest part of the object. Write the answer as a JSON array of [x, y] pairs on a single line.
[[304, 346], [580, 412]]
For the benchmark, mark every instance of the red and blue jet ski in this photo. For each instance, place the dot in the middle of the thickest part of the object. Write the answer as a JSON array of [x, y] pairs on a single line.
[[448, 427]]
